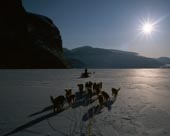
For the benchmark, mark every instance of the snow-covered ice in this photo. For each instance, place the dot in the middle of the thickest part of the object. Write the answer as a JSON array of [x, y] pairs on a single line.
[[142, 107]]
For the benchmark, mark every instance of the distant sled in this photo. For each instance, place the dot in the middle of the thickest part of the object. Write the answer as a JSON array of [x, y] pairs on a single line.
[[85, 74]]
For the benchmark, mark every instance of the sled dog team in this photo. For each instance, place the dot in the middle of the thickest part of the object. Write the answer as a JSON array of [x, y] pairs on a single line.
[[89, 88]]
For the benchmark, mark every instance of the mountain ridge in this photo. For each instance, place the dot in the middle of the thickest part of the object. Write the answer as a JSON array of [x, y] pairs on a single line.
[[93, 57]]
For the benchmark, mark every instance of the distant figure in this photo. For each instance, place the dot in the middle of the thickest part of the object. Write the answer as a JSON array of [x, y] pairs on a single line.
[[85, 70], [85, 74]]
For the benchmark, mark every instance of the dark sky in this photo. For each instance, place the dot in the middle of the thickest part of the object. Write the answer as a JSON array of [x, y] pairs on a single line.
[[109, 24]]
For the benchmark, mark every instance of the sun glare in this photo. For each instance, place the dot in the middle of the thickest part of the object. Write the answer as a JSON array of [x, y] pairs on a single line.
[[147, 28]]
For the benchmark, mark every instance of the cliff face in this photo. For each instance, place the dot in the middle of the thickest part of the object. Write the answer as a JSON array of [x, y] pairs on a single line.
[[28, 40]]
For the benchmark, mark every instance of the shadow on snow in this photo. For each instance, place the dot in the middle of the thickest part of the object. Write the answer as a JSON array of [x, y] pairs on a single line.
[[33, 122], [95, 110], [81, 100]]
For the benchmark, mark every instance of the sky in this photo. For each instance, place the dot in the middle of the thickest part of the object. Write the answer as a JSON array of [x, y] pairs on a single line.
[[111, 24]]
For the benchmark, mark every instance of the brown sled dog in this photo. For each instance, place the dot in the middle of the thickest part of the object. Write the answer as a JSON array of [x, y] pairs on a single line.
[[101, 100], [58, 103], [71, 99], [69, 96], [115, 91], [97, 87], [105, 95]]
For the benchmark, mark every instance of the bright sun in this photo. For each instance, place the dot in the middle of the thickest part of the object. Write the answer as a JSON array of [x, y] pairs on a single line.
[[147, 28]]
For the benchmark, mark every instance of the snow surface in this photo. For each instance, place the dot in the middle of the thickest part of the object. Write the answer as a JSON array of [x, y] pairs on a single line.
[[142, 107]]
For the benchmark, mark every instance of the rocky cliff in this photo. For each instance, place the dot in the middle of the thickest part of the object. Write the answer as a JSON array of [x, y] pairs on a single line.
[[28, 40]]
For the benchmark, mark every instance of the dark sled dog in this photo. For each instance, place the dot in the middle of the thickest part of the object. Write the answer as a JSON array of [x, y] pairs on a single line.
[[115, 91], [81, 87], [58, 103], [101, 100], [105, 95]]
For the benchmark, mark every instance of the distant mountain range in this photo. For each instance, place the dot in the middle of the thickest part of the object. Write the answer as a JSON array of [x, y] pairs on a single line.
[[90, 57]]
